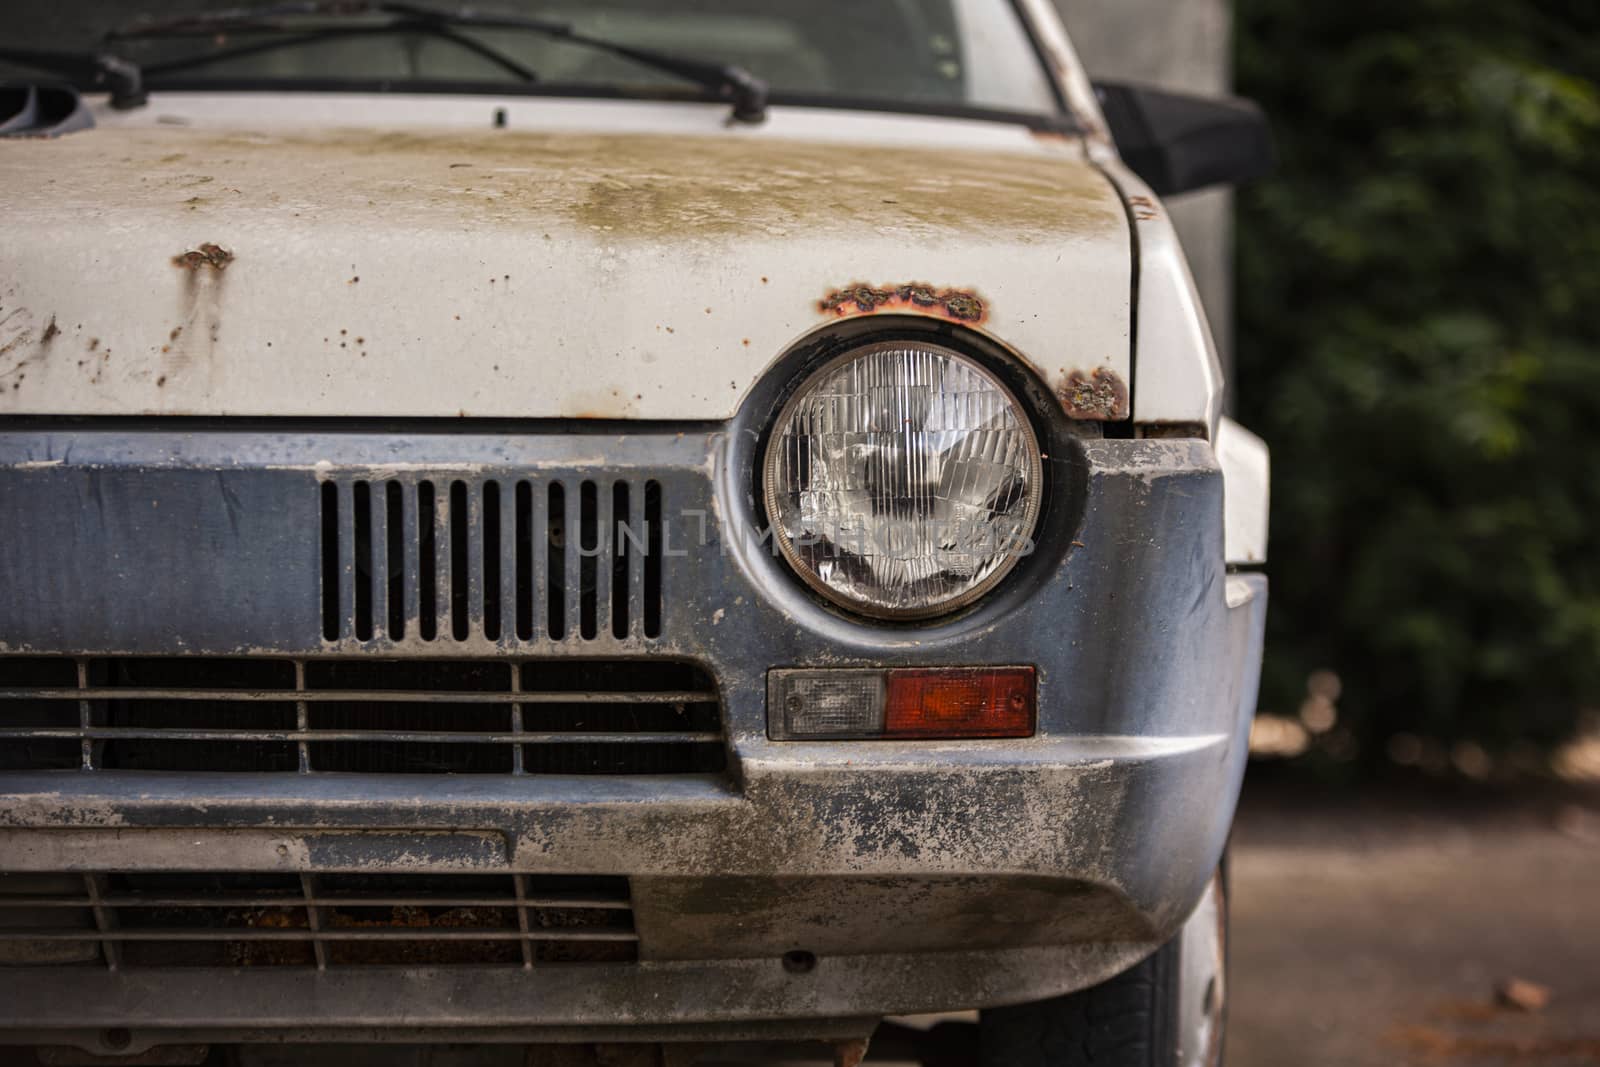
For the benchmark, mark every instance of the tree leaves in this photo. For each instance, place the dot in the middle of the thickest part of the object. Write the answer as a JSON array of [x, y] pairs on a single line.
[[1419, 310]]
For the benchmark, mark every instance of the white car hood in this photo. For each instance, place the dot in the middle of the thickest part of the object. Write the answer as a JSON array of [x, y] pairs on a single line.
[[275, 270]]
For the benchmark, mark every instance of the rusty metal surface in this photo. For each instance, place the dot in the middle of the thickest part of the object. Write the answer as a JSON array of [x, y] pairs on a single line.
[[207, 255], [919, 298], [1100, 397]]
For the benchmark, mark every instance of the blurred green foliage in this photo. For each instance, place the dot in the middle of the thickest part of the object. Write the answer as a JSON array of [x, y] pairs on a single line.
[[1419, 342]]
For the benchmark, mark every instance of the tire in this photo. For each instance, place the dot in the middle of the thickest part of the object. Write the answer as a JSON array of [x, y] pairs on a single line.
[[1160, 1013]]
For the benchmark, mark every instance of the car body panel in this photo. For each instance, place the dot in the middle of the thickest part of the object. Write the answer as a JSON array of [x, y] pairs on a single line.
[[1247, 474], [366, 265], [1178, 382]]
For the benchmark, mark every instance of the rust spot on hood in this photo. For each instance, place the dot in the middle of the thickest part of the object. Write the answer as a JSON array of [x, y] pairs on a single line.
[[207, 255], [1100, 396], [961, 305]]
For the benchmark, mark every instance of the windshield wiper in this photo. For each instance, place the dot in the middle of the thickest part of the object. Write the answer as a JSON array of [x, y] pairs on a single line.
[[279, 19], [747, 93], [122, 78]]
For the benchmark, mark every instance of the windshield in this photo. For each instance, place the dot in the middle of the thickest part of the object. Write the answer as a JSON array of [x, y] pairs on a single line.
[[919, 53]]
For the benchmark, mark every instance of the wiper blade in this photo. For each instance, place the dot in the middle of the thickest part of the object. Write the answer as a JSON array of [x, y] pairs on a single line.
[[747, 93], [122, 77], [279, 19]]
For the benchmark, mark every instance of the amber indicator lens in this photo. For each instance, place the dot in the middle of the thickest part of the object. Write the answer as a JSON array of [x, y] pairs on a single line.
[[910, 703], [963, 702]]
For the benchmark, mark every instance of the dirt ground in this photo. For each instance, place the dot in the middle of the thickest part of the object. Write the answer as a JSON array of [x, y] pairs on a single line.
[[1373, 929]]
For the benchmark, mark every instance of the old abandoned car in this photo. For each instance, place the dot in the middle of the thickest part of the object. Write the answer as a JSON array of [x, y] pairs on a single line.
[[618, 528]]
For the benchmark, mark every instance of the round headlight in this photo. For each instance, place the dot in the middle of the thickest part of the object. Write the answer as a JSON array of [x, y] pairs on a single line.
[[903, 480]]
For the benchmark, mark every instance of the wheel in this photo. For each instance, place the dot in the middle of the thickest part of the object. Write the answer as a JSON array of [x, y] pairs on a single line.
[[1168, 1011]]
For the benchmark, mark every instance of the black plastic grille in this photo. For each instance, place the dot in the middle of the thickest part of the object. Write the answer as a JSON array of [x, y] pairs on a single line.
[[507, 562], [237, 919], [366, 716]]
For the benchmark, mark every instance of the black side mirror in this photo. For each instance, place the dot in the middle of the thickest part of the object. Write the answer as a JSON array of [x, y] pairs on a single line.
[[1178, 143]]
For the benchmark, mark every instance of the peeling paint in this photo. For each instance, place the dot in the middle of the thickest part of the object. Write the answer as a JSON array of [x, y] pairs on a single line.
[[1101, 396], [962, 305], [207, 255]]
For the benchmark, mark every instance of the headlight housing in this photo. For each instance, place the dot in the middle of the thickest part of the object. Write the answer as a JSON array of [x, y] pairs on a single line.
[[903, 480]]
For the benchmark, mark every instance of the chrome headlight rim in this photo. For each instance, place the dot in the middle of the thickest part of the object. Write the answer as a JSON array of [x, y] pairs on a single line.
[[946, 345]]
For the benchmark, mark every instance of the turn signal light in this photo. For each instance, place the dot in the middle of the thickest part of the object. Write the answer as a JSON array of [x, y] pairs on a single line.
[[912, 703]]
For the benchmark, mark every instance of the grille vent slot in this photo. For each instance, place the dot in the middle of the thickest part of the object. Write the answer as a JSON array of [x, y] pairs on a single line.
[[507, 562], [169, 919], [366, 715]]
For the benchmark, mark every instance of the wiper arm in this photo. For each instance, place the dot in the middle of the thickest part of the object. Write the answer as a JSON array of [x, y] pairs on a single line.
[[744, 90], [747, 93], [122, 77]]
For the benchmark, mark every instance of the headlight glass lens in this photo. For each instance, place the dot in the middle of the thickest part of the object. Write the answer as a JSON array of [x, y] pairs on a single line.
[[903, 480]]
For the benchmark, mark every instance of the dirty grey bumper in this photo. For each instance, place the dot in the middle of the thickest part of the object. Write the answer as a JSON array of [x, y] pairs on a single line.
[[924, 877]]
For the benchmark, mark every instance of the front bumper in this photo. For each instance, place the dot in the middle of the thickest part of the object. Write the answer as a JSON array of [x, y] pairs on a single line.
[[922, 876]]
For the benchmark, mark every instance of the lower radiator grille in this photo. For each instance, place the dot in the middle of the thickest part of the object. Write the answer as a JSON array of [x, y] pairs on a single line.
[[364, 716], [232, 920], [126, 920]]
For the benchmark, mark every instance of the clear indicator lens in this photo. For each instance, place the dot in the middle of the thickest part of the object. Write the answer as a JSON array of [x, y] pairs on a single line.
[[822, 704], [903, 480]]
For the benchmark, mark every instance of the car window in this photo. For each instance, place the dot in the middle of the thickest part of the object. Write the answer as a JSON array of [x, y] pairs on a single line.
[[972, 53]]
